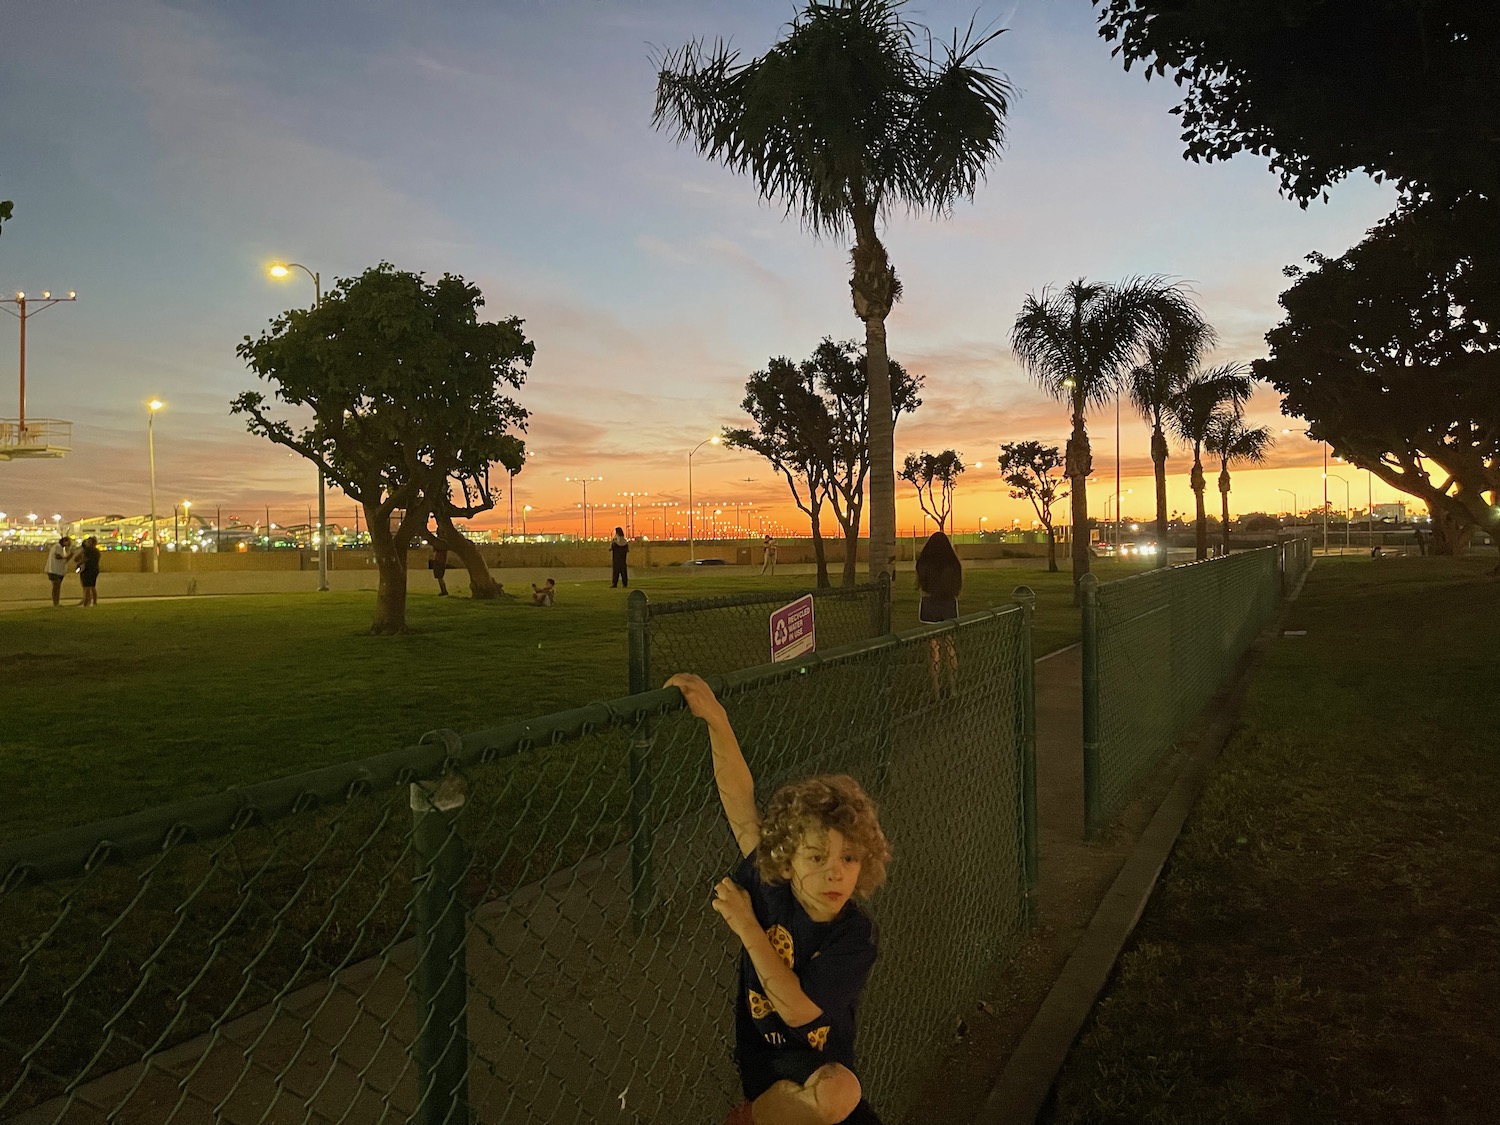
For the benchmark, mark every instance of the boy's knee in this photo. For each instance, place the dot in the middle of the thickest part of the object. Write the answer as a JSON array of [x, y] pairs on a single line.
[[836, 1091]]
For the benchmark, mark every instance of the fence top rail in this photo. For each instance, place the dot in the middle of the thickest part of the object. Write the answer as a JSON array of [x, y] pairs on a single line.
[[766, 597], [72, 852]]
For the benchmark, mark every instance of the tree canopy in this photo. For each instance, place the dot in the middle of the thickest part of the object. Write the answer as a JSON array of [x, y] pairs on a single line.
[[934, 476], [1034, 472], [407, 392], [1403, 89], [1390, 353]]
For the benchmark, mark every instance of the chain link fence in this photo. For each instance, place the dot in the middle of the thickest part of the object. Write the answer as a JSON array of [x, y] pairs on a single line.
[[1156, 648], [1296, 561], [714, 635], [456, 932]]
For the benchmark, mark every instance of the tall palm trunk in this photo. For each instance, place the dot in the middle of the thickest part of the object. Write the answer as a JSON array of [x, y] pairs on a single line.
[[1079, 464], [1224, 497], [1200, 486], [1159, 459], [874, 289]]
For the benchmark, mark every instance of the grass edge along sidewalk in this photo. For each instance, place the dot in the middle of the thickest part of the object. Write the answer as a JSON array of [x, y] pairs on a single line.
[[926, 735], [1325, 944]]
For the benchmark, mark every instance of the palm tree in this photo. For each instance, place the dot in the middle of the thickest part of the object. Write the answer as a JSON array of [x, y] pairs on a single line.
[[1077, 342], [1234, 442], [841, 119], [1206, 396], [1151, 386]]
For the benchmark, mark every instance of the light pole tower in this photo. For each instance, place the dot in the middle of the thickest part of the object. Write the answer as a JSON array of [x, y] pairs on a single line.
[[585, 482], [706, 441], [279, 271]]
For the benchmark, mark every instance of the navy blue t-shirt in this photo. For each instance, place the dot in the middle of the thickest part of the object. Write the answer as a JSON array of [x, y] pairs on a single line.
[[832, 961]]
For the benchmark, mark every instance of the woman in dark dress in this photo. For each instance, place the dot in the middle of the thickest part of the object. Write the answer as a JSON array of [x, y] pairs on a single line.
[[88, 570], [940, 579], [619, 547]]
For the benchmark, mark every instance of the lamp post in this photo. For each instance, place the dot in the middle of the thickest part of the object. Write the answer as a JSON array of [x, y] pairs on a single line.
[[631, 497], [706, 441], [585, 482], [20, 301], [1325, 484], [1293, 495], [153, 406], [524, 509], [1347, 512], [280, 270]]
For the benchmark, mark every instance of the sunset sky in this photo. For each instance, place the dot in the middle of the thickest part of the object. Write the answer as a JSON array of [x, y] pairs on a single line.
[[162, 155]]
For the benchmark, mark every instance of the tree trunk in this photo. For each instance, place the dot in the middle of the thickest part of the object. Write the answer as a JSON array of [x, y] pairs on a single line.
[[482, 584], [1159, 459], [820, 550], [882, 453], [1200, 486], [1051, 549], [1079, 464], [1224, 497], [390, 558], [851, 554], [1449, 536]]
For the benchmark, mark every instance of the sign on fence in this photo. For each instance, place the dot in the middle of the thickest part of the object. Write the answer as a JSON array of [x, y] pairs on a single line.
[[792, 632]]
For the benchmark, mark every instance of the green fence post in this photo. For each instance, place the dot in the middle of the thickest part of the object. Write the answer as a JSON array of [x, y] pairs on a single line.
[[1026, 599], [1089, 587], [441, 978], [642, 831]]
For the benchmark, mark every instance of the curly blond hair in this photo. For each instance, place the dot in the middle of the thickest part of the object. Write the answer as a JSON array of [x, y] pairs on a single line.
[[813, 807]]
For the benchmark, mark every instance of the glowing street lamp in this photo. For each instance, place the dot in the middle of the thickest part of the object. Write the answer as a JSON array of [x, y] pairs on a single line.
[[1348, 508], [585, 482], [153, 406], [281, 271], [706, 441], [524, 509], [1293, 495]]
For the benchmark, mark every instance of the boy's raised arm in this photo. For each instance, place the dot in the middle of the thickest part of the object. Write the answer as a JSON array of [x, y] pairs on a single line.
[[731, 774]]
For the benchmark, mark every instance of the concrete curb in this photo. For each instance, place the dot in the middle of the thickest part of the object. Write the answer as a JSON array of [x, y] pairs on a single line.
[[1024, 1086]]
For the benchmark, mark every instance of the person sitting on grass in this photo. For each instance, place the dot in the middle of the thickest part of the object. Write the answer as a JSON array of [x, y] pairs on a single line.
[[544, 595], [806, 945]]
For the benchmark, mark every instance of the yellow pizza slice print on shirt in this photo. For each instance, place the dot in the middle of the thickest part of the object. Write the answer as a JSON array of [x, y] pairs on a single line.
[[760, 1007], [781, 942], [817, 1038]]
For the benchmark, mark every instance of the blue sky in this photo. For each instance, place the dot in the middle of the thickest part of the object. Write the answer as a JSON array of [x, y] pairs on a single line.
[[162, 155]]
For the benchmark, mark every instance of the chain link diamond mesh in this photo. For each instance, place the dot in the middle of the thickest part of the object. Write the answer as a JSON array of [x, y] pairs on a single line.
[[456, 932], [1157, 647]]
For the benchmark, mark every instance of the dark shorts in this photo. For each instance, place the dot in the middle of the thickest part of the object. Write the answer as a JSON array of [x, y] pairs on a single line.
[[439, 571], [88, 578], [56, 579], [761, 1071]]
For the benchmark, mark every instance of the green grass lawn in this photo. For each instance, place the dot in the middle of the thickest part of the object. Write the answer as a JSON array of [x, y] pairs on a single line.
[[147, 702], [1325, 946]]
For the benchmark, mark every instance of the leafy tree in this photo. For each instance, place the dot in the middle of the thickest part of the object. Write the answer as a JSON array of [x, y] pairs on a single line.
[[1029, 468], [477, 496], [1390, 354], [852, 112], [934, 476], [792, 430], [1206, 398], [1233, 442], [1151, 385], [1252, 522], [7, 208], [1404, 89], [813, 425], [405, 385], [1077, 343]]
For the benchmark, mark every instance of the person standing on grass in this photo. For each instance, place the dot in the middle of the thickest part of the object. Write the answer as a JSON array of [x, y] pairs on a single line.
[[619, 547], [807, 946], [56, 567], [940, 579], [438, 564], [88, 570], [768, 555]]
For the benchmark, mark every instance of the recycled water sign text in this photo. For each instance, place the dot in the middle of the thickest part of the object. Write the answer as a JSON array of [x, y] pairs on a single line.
[[792, 632]]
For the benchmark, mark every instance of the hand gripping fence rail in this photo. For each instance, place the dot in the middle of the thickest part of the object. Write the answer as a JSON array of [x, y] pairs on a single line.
[[1156, 648], [443, 934]]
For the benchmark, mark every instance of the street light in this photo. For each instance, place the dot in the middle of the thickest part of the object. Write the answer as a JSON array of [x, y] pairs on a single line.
[[280, 270], [1347, 513], [524, 509], [631, 496], [1308, 433], [585, 482], [1116, 499], [1293, 495], [706, 441], [153, 406]]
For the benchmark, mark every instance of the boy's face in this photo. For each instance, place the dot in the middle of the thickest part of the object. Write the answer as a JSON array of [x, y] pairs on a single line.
[[824, 872]]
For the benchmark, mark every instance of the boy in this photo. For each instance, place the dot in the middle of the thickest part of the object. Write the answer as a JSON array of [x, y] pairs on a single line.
[[807, 946], [57, 566], [544, 595]]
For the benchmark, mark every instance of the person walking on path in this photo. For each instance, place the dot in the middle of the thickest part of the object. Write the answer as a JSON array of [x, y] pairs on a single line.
[[88, 570], [56, 567], [940, 579], [438, 564], [619, 547], [768, 555]]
